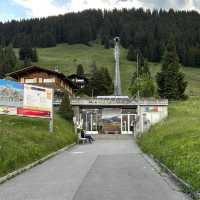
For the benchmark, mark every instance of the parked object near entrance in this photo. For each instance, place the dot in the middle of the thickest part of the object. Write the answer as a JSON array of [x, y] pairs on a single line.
[[118, 115], [84, 138]]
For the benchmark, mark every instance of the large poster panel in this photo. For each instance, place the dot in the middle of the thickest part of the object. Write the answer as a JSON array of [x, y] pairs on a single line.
[[25, 100], [6, 110], [111, 120], [38, 98], [11, 93]]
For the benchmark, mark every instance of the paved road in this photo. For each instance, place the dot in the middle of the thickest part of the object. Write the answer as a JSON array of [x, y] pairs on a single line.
[[105, 170]]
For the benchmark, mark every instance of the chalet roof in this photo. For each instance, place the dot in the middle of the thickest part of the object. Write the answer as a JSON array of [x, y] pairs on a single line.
[[30, 69]]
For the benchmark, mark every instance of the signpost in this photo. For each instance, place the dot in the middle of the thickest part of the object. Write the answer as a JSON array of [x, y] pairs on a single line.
[[26, 100]]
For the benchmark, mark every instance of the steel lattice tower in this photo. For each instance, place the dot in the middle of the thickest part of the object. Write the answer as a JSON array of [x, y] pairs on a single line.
[[117, 67]]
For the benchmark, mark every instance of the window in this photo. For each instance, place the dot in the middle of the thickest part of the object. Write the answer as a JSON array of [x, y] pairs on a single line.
[[67, 87], [22, 80], [49, 80], [40, 80], [28, 80]]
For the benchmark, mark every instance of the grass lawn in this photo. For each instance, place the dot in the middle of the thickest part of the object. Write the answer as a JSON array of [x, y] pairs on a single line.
[[25, 140], [176, 141]]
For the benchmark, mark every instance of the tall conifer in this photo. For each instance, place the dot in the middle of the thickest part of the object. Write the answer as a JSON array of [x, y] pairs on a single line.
[[80, 71], [142, 80], [10, 59], [171, 81], [65, 109]]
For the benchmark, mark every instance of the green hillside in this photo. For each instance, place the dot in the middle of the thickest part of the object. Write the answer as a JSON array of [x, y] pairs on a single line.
[[67, 57]]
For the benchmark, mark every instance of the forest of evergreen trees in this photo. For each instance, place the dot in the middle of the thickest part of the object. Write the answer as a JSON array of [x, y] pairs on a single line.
[[144, 30]]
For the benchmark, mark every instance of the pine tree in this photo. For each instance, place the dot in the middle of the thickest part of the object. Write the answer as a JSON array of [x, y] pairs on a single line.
[[47, 39], [124, 37], [93, 67], [193, 57], [34, 56], [142, 80], [131, 56], [27, 62], [143, 66], [100, 83], [80, 71], [10, 59], [1, 61], [107, 81], [89, 89], [170, 80], [25, 52], [106, 43], [65, 109]]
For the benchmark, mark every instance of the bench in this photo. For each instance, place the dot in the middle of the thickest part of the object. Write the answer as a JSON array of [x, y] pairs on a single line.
[[82, 140]]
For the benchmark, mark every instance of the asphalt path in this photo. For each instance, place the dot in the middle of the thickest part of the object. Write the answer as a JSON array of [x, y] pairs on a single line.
[[104, 170]]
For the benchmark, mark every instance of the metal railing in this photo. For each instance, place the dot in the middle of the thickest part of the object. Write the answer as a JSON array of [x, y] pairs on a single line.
[[116, 101]]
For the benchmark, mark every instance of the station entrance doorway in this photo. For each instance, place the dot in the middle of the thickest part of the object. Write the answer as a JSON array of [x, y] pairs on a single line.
[[128, 123], [108, 121], [90, 121]]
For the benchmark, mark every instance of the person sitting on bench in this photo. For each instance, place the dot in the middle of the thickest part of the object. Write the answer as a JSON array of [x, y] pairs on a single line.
[[89, 137]]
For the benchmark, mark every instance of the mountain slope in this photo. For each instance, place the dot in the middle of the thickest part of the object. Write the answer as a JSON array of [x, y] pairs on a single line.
[[67, 57]]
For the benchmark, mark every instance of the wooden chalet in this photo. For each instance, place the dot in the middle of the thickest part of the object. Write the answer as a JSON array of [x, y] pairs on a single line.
[[44, 77]]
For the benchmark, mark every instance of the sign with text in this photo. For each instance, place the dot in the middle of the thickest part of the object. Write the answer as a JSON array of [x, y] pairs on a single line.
[[151, 109], [25, 100], [38, 98]]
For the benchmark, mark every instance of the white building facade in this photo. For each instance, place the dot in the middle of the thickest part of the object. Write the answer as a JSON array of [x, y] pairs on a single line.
[[117, 115]]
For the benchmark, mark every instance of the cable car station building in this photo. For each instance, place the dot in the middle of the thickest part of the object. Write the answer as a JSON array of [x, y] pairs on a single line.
[[117, 114]]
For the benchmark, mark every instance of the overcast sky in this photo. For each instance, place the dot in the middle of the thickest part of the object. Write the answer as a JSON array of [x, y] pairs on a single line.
[[18, 9]]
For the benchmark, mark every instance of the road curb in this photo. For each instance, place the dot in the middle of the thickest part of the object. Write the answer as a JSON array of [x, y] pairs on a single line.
[[34, 164], [187, 187]]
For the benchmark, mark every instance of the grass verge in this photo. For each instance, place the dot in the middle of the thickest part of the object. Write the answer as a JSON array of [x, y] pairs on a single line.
[[176, 141], [25, 140]]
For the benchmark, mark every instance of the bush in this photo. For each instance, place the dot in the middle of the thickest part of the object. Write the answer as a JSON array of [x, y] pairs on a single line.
[[65, 109]]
